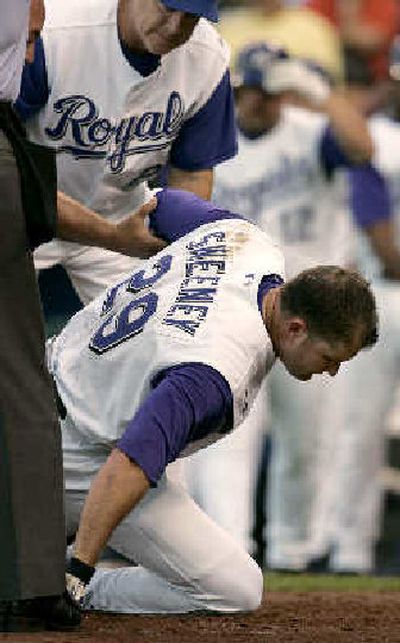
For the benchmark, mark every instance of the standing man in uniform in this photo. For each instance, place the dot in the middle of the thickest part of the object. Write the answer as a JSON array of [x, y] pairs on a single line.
[[32, 533], [167, 362], [127, 90], [348, 515]]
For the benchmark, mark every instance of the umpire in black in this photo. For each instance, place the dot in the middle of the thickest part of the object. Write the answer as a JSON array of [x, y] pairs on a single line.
[[32, 535]]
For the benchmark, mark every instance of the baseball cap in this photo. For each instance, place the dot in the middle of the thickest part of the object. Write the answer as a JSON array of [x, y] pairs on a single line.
[[318, 69], [394, 59], [206, 8], [252, 62]]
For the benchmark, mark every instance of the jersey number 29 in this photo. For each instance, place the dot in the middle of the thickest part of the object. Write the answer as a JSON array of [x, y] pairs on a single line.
[[130, 321]]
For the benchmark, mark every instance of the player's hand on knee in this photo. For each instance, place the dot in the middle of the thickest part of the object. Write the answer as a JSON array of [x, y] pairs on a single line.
[[133, 236], [77, 579]]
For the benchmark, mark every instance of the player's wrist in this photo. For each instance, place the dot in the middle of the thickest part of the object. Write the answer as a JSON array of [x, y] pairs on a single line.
[[78, 577], [112, 236]]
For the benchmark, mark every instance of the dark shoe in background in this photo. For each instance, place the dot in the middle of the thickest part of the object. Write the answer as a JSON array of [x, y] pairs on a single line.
[[319, 564], [57, 613], [20, 616]]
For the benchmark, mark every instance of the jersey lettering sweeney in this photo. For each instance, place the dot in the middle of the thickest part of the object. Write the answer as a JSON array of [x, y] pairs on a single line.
[[196, 301], [101, 111], [277, 181]]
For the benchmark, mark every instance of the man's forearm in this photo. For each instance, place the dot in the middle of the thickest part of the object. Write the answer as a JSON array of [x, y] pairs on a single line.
[[382, 239], [78, 223], [349, 127], [129, 236], [115, 491]]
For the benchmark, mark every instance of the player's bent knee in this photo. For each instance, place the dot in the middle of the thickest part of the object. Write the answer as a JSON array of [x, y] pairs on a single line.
[[240, 588], [249, 591]]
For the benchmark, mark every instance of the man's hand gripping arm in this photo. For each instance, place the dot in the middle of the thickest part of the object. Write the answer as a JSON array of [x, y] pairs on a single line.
[[129, 236]]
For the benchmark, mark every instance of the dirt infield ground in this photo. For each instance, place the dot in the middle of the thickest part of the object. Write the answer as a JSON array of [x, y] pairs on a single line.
[[284, 617]]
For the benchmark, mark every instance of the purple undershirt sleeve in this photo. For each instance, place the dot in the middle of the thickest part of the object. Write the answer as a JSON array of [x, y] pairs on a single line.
[[179, 212], [188, 402], [369, 196]]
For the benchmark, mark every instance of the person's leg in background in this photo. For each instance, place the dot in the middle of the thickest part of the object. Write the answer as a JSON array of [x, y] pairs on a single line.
[[222, 478], [295, 441], [351, 496], [32, 536]]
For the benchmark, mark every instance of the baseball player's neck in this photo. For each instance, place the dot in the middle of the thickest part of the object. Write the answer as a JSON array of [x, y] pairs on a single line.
[[271, 316], [151, 27], [126, 27]]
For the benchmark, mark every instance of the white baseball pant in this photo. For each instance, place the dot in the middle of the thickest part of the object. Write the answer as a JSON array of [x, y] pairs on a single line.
[[222, 478], [348, 511], [184, 561]]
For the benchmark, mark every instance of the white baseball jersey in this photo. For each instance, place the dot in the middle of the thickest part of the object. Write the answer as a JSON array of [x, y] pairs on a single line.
[[278, 181], [100, 110], [194, 302]]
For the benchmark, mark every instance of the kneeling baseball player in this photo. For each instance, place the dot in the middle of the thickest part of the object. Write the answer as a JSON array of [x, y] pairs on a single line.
[[163, 364]]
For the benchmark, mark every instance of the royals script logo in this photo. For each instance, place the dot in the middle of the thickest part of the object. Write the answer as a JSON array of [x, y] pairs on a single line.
[[93, 136]]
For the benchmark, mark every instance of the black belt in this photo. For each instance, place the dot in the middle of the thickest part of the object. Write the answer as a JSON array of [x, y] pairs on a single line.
[[38, 175]]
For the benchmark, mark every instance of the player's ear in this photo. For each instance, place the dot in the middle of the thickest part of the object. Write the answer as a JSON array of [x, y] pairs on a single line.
[[296, 327]]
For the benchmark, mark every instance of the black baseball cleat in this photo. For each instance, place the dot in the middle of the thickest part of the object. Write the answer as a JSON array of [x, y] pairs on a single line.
[[61, 613], [57, 613]]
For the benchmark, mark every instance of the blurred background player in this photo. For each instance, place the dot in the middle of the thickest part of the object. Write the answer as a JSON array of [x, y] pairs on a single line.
[[280, 179], [303, 33], [348, 515], [123, 90]]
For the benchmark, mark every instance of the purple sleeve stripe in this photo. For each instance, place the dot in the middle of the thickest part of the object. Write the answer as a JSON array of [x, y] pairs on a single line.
[[189, 402], [34, 91], [179, 212], [332, 156], [369, 196], [209, 137]]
